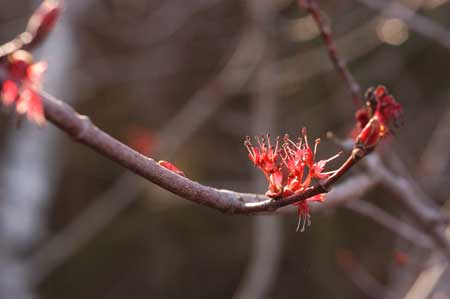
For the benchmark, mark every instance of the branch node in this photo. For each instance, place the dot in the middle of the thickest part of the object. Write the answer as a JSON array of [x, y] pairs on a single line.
[[84, 128]]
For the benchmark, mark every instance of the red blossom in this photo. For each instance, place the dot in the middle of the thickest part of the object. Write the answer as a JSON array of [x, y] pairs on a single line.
[[266, 155], [295, 171], [376, 118], [9, 92], [22, 86]]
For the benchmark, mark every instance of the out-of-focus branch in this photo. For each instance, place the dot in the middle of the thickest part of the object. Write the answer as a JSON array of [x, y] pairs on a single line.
[[83, 229], [418, 23], [429, 218], [427, 280], [389, 222], [349, 190], [313, 8], [347, 194], [436, 157], [361, 278]]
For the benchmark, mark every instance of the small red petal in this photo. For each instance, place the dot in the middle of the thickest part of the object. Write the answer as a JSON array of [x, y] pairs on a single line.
[[371, 133], [9, 92], [318, 197], [171, 167], [35, 111], [275, 180], [24, 101], [380, 91]]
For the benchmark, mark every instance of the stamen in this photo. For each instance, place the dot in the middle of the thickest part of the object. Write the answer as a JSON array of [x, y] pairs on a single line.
[[259, 142], [330, 172], [316, 143], [334, 157], [305, 136], [276, 145], [291, 142], [298, 223]]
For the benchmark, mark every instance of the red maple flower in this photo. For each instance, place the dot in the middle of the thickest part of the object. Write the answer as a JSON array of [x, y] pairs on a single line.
[[21, 87], [293, 173], [376, 118], [266, 158]]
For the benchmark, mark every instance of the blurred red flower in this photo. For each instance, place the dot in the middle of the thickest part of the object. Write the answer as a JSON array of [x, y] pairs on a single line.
[[23, 84]]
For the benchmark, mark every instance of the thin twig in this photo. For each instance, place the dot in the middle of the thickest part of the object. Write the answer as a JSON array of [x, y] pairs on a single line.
[[325, 31], [389, 222]]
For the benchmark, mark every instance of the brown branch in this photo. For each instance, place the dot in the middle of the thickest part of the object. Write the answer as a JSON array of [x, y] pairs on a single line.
[[85, 132], [325, 31]]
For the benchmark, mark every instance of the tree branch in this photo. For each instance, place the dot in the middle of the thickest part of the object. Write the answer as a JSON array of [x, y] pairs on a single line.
[[85, 132], [325, 31]]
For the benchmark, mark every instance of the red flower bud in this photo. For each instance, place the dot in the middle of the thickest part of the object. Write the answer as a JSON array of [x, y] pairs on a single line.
[[375, 119]]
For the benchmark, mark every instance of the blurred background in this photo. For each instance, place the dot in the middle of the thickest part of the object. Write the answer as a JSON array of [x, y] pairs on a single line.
[[186, 81]]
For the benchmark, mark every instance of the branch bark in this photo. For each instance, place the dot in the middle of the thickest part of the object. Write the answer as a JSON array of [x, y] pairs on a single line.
[[82, 130]]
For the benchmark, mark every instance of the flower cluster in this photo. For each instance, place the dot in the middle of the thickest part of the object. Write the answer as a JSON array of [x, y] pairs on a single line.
[[24, 79], [376, 118], [289, 168], [24, 76]]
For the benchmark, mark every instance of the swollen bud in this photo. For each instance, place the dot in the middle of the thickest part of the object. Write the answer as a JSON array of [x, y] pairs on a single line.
[[171, 167], [43, 21]]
